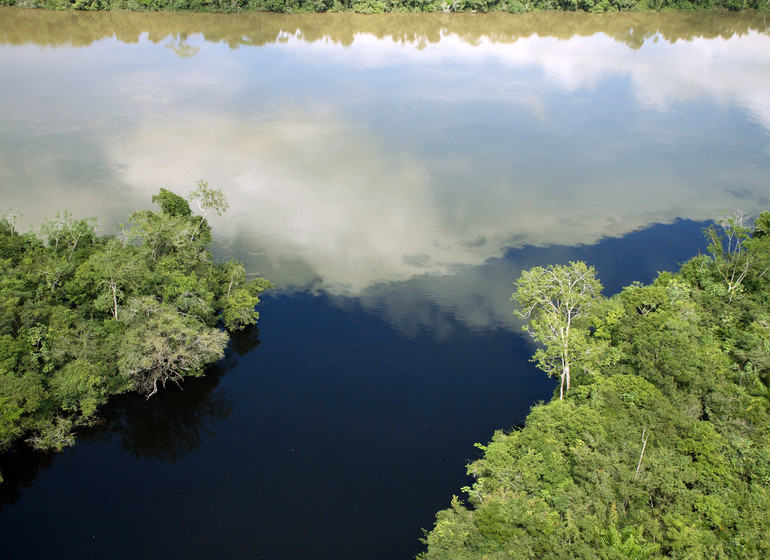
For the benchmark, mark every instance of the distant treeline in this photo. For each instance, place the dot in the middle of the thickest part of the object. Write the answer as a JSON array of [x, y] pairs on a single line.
[[661, 447], [254, 29], [385, 6]]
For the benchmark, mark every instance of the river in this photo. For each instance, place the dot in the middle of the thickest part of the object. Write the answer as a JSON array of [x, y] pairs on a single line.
[[392, 175]]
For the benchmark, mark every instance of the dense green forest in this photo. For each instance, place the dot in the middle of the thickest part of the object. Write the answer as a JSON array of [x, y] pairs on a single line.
[[660, 448], [84, 317], [386, 6]]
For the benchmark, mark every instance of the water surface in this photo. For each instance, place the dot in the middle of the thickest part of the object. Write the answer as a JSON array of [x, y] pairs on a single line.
[[392, 175]]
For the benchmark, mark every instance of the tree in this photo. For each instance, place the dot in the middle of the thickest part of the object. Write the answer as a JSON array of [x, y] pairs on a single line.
[[732, 251], [163, 345], [172, 203], [553, 298], [109, 275], [83, 317], [242, 296], [762, 226], [9, 219], [62, 232], [162, 233], [208, 199], [577, 481]]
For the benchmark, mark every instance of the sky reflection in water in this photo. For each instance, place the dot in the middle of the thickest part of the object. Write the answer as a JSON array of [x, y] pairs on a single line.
[[351, 165], [400, 169]]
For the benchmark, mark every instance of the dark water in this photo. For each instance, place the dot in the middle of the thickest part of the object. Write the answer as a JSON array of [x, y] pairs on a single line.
[[392, 175], [328, 434]]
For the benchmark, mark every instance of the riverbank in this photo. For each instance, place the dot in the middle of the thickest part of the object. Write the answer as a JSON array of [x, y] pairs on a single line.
[[661, 447], [390, 6], [256, 29], [86, 317]]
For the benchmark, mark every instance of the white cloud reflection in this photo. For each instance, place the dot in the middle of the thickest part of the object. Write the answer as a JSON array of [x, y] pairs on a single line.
[[357, 211], [353, 167], [734, 71], [305, 188]]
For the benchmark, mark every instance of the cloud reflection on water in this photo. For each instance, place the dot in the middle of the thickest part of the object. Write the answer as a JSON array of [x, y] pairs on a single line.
[[352, 167], [359, 211]]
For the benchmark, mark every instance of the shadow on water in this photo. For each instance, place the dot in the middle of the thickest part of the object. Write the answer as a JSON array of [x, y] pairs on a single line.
[[20, 467], [166, 427]]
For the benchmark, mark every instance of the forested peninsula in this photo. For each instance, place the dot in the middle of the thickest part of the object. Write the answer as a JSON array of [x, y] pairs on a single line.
[[84, 317], [659, 446], [389, 6]]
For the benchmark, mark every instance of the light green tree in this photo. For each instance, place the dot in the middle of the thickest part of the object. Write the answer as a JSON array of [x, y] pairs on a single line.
[[733, 251], [162, 233], [553, 298], [162, 345], [63, 232], [10, 218], [208, 199], [242, 296], [112, 274]]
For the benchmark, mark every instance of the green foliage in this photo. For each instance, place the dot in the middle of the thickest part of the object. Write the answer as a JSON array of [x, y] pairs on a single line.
[[241, 297], [66, 235], [109, 277], [209, 199], [762, 226], [731, 251], [86, 317], [389, 6], [662, 449], [89, 5], [554, 299], [161, 344], [171, 203]]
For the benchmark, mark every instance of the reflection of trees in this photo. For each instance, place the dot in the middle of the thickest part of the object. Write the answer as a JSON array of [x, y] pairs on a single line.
[[173, 422], [42, 27], [181, 48], [165, 427], [242, 342], [19, 468], [170, 424]]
